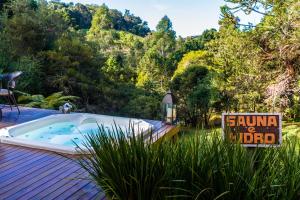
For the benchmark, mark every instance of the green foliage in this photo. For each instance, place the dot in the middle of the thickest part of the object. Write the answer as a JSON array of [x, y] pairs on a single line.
[[144, 106], [32, 77], [275, 43], [113, 62], [291, 130], [78, 16], [202, 166], [195, 94], [236, 65], [106, 19], [130, 169], [102, 19], [5, 51], [193, 43], [71, 67], [81, 16], [31, 28], [156, 66], [112, 68], [192, 58], [165, 26], [2, 4], [51, 102], [135, 24]]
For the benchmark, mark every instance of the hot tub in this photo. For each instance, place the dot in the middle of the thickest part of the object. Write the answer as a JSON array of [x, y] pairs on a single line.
[[63, 132]]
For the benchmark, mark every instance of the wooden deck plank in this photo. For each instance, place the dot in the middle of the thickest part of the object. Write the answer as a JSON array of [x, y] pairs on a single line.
[[65, 188], [4, 153], [16, 173], [60, 183], [77, 187], [30, 176], [88, 191], [56, 177], [32, 191], [32, 168], [93, 195], [40, 179], [19, 162], [15, 153]]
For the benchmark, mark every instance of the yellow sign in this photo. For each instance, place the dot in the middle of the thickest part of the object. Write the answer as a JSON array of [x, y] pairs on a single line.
[[252, 129]]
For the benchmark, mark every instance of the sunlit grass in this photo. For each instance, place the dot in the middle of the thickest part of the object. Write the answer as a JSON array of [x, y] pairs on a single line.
[[291, 130]]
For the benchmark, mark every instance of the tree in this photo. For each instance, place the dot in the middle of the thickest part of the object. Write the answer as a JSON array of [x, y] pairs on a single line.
[[236, 65], [201, 58], [116, 69], [192, 43], [279, 40], [101, 19], [259, 6], [107, 19], [277, 37], [156, 67], [6, 55], [165, 26], [135, 24], [194, 92], [31, 26], [81, 16], [144, 104], [72, 67], [32, 79]]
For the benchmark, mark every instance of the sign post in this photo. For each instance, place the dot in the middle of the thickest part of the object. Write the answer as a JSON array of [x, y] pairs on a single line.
[[252, 129]]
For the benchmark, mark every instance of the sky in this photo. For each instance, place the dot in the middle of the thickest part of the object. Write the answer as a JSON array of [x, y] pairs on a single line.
[[189, 17]]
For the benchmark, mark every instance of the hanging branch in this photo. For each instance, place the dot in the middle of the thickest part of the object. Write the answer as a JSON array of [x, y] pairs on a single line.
[[247, 25], [247, 8]]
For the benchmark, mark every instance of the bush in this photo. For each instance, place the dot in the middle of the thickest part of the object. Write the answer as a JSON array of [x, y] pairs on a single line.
[[125, 168], [199, 167], [51, 102]]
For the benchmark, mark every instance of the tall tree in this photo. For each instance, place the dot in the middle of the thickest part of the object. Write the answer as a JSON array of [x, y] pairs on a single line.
[[236, 65], [156, 67], [278, 39], [194, 92], [165, 26]]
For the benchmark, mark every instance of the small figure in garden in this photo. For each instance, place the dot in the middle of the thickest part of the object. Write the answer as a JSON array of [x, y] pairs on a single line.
[[66, 108]]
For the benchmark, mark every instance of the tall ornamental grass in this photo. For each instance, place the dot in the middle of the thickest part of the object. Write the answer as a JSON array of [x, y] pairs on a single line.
[[198, 167]]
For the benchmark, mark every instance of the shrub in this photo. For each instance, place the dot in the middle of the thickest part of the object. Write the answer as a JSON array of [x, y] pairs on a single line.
[[199, 167], [125, 168], [51, 102]]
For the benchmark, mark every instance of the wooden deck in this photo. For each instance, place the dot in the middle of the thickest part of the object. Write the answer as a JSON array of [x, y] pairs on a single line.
[[27, 173]]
